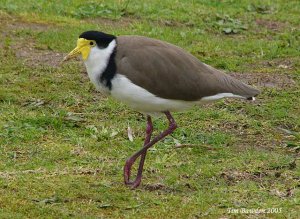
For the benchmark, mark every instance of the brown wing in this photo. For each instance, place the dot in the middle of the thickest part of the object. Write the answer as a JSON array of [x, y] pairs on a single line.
[[169, 72]]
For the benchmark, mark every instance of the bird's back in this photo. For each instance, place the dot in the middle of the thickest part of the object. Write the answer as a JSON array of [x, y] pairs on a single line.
[[168, 71]]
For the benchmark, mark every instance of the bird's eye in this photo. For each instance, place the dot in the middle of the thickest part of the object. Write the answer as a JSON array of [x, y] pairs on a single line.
[[92, 43]]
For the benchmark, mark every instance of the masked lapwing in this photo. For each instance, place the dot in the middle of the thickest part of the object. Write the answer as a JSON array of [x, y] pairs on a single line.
[[152, 76]]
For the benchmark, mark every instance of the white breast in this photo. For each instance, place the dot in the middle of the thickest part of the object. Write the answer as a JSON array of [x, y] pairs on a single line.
[[96, 64]]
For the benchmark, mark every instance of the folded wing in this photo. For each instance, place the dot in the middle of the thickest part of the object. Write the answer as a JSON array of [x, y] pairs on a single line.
[[169, 72]]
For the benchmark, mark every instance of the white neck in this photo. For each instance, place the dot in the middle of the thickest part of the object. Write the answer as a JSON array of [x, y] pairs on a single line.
[[97, 62]]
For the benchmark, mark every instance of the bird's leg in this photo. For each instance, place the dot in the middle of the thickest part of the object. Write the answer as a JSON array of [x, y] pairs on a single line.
[[143, 151], [149, 130]]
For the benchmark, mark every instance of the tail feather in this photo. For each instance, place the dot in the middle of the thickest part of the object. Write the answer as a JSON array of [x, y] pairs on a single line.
[[237, 87]]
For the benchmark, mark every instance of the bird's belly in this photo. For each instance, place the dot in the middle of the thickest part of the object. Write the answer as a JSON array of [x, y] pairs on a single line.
[[142, 100]]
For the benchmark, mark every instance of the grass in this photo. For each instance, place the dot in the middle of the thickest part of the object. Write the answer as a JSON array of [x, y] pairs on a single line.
[[63, 145]]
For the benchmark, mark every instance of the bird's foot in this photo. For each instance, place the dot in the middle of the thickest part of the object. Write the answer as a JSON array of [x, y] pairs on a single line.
[[127, 172]]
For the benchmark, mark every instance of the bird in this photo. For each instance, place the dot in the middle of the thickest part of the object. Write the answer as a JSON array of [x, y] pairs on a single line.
[[153, 77]]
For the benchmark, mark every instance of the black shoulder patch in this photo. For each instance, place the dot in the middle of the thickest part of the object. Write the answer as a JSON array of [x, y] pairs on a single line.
[[110, 71]]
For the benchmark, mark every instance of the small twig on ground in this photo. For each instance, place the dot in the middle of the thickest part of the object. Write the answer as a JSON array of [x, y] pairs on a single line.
[[193, 145]]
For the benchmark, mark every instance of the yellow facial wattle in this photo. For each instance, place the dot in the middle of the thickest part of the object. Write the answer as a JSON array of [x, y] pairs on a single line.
[[83, 47]]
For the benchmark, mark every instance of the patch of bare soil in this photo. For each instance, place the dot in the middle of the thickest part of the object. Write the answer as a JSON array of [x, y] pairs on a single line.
[[46, 173], [158, 187], [270, 80], [172, 23], [262, 176], [123, 22], [19, 25], [235, 176], [287, 64], [127, 21], [9, 25], [257, 141], [153, 187], [265, 140], [28, 51], [37, 57], [271, 25]]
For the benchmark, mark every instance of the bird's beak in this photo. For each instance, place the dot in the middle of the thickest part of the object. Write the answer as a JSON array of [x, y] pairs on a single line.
[[82, 48], [72, 54]]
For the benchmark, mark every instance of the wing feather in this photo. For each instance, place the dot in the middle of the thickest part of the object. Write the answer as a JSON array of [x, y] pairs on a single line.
[[169, 72]]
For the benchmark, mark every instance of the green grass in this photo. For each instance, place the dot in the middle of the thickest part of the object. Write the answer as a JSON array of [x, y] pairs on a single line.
[[63, 145]]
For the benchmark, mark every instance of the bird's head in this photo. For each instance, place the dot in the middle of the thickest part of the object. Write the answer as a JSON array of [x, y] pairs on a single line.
[[87, 41]]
